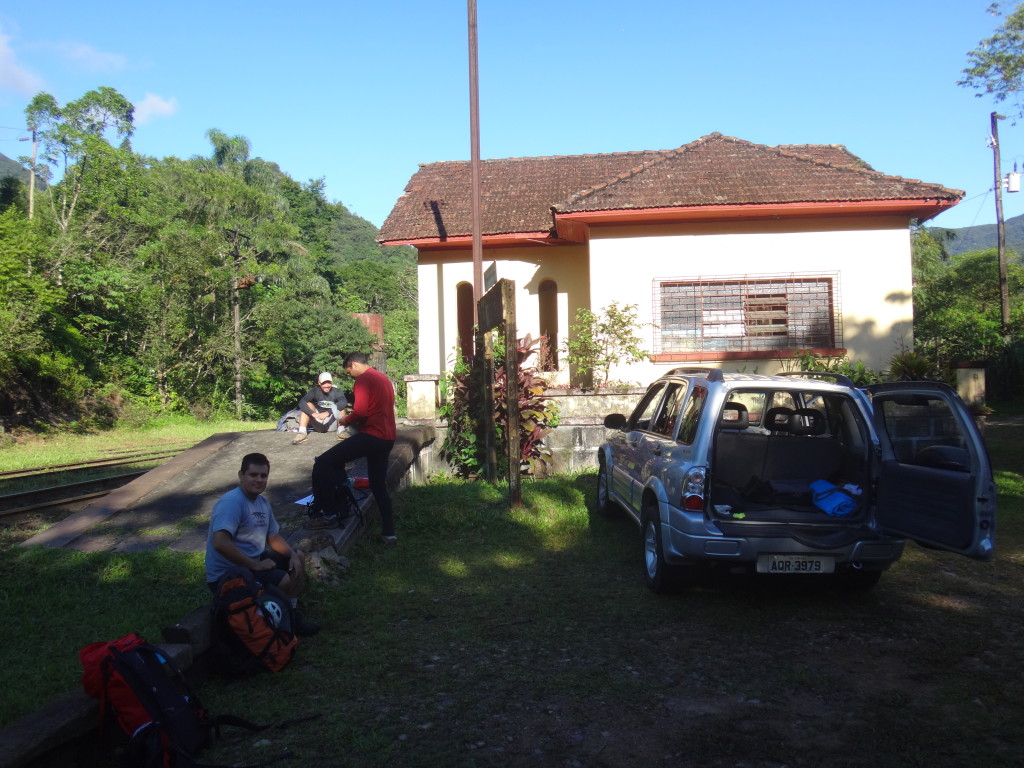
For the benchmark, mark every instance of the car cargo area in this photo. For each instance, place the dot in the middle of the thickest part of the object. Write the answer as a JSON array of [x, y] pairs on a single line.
[[789, 456]]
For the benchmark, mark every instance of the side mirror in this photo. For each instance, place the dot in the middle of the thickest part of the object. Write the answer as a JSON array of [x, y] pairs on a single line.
[[615, 421]]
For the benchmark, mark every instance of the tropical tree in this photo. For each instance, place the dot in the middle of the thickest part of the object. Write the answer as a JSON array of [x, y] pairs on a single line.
[[996, 66], [957, 313], [194, 284], [89, 217], [249, 211], [75, 140], [26, 299]]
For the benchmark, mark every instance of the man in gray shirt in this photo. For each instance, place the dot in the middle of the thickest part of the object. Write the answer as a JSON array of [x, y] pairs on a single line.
[[244, 531]]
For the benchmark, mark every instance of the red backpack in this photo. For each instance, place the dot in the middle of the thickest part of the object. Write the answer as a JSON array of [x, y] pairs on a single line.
[[148, 694]]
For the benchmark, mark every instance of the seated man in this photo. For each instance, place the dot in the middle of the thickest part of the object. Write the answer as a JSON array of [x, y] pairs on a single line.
[[374, 415], [321, 408], [244, 531]]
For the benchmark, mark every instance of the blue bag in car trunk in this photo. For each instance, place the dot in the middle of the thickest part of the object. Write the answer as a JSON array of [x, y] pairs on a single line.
[[832, 500]]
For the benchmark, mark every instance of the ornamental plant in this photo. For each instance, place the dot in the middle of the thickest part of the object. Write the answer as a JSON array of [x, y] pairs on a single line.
[[537, 413], [600, 341], [463, 446]]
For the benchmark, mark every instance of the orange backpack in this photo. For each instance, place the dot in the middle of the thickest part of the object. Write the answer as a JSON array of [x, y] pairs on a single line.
[[253, 624]]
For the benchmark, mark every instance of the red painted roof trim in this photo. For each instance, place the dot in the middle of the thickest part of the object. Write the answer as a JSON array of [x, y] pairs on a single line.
[[915, 208], [758, 354]]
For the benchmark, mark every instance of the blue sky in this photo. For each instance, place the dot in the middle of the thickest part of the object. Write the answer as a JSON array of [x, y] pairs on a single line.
[[360, 93]]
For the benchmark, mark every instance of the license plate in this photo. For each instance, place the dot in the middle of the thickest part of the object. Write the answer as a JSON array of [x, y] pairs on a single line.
[[796, 564]]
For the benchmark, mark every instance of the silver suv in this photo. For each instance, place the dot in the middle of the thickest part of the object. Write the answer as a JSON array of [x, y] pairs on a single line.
[[796, 474]]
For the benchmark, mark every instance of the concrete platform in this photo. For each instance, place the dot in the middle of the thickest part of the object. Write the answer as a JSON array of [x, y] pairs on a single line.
[[170, 505]]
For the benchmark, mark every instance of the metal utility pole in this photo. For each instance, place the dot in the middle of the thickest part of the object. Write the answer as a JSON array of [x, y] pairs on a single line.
[[1004, 286], [474, 163]]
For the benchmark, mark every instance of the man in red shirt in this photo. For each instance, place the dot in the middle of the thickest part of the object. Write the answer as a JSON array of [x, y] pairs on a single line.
[[373, 412]]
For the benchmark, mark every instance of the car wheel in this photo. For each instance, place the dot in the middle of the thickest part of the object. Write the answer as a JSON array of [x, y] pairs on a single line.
[[605, 505], [659, 575], [857, 580]]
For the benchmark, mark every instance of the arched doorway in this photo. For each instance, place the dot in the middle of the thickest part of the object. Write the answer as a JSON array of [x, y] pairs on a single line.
[[548, 301], [464, 309]]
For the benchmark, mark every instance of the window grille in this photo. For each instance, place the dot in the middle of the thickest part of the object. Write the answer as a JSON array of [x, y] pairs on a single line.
[[747, 313]]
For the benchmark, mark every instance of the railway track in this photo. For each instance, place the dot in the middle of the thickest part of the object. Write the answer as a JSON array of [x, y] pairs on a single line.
[[38, 489]]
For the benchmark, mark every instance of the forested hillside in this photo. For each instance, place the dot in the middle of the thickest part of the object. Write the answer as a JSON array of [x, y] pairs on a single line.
[[212, 284], [983, 236], [9, 167]]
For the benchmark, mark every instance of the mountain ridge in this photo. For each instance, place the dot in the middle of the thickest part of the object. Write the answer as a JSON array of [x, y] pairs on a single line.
[[983, 236]]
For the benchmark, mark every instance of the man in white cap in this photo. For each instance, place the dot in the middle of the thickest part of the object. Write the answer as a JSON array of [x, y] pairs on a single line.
[[321, 408]]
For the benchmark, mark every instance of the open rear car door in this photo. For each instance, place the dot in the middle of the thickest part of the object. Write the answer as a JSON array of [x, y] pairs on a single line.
[[935, 482]]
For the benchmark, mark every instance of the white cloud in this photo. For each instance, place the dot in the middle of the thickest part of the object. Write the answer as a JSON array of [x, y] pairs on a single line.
[[153, 106], [14, 76], [92, 60]]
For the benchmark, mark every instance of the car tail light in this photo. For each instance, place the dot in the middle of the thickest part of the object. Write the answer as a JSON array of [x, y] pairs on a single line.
[[693, 489]]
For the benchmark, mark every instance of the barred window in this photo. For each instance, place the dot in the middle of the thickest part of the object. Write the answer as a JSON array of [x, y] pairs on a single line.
[[747, 313]]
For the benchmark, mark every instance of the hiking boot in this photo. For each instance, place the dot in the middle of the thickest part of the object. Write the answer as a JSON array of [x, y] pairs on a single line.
[[316, 522], [300, 438], [304, 627]]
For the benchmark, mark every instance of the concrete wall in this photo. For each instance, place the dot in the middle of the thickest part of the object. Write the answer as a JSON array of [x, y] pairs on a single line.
[[573, 444]]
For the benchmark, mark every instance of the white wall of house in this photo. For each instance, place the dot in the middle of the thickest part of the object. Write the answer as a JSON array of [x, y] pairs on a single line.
[[871, 255], [440, 272]]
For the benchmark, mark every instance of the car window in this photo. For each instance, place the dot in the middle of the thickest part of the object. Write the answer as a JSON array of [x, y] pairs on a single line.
[[644, 412], [666, 418], [783, 400], [924, 431], [691, 415], [754, 401]]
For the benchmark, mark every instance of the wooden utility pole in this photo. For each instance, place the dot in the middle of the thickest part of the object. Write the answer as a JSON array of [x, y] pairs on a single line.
[[1004, 286], [474, 162], [498, 310], [32, 175]]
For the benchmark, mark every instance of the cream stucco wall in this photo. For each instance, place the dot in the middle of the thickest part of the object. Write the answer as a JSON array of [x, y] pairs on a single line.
[[871, 255], [440, 272]]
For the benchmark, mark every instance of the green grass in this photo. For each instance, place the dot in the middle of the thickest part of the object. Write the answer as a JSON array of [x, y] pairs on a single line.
[[526, 637], [30, 451]]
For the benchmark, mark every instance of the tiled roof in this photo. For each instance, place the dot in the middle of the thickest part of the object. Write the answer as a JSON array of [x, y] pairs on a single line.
[[518, 194]]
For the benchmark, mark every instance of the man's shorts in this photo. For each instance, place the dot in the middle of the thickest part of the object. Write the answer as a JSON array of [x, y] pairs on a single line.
[[323, 426], [273, 576]]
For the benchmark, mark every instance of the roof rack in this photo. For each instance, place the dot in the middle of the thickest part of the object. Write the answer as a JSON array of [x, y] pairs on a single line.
[[713, 374], [838, 378]]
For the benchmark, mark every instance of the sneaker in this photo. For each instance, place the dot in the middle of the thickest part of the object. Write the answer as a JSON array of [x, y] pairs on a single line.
[[304, 627], [389, 541], [300, 438], [316, 522]]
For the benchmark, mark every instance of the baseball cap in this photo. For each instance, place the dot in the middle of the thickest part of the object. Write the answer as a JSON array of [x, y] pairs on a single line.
[[325, 376]]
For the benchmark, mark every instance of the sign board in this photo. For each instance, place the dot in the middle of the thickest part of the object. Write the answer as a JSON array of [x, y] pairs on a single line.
[[492, 306]]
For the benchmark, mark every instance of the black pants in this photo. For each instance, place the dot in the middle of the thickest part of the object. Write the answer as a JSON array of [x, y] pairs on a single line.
[[329, 468]]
